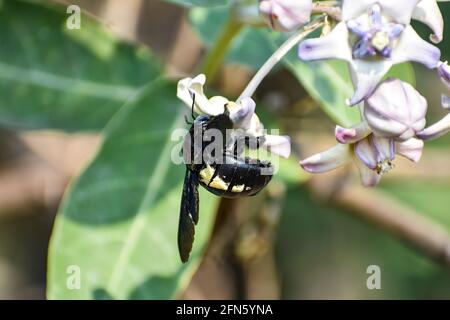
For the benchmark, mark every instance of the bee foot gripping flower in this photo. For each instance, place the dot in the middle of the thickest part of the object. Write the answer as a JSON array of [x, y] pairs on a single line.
[[390, 126], [286, 15], [373, 36], [242, 113]]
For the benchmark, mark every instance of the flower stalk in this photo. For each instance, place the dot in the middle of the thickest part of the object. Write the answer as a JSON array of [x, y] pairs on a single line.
[[216, 54], [279, 54]]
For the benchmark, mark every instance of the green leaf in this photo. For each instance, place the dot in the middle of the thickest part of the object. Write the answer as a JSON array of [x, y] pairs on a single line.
[[251, 46], [55, 77], [328, 82], [404, 72], [118, 221], [201, 3]]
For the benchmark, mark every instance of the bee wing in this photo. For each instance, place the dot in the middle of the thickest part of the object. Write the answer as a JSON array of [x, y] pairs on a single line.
[[188, 215]]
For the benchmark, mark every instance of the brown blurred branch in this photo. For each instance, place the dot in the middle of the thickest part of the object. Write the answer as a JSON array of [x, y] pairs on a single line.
[[378, 207], [394, 218]]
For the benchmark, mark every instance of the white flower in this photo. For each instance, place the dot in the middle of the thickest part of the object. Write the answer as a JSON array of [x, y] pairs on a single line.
[[242, 113], [373, 156], [285, 15], [393, 116], [373, 36], [427, 11]]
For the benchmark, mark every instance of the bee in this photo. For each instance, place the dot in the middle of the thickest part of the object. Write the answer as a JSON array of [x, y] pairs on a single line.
[[227, 174]]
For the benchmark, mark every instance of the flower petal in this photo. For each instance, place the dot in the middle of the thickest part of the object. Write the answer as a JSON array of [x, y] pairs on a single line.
[[243, 115], [445, 100], [188, 88], [411, 47], [286, 15], [395, 110], [332, 46], [436, 130], [280, 145], [366, 75], [427, 11], [369, 178], [410, 149], [385, 148], [330, 159], [444, 73], [351, 135], [399, 10], [352, 9], [365, 151]]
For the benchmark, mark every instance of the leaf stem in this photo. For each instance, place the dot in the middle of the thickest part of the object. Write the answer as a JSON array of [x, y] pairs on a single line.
[[220, 47], [279, 54]]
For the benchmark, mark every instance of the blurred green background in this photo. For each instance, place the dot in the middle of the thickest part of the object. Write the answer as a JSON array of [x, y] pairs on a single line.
[[303, 238]]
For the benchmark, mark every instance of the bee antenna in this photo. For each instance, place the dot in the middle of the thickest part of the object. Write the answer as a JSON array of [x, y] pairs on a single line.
[[226, 110], [187, 120], [192, 108]]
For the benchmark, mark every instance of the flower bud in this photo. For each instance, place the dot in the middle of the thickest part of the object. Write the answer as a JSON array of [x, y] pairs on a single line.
[[395, 110], [285, 15]]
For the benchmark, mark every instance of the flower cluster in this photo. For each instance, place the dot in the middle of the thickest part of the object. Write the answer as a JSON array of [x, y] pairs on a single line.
[[371, 36]]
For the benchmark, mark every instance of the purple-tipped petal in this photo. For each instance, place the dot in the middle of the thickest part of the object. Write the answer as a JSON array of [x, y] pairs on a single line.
[[332, 46], [280, 145], [427, 11], [366, 152], [357, 28], [399, 10], [352, 9], [444, 73], [375, 15], [445, 101], [243, 116], [330, 159], [352, 135], [394, 30], [411, 47], [436, 130], [286, 15], [366, 75], [410, 149], [369, 178], [385, 148], [395, 110], [363, 50]]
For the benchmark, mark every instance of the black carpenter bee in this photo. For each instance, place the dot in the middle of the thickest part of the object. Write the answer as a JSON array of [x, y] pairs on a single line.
[[227, 174]]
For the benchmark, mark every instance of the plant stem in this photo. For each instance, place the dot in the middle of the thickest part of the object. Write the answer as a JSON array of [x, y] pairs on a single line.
[[330, 8], [216, 54], [278, 55]]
